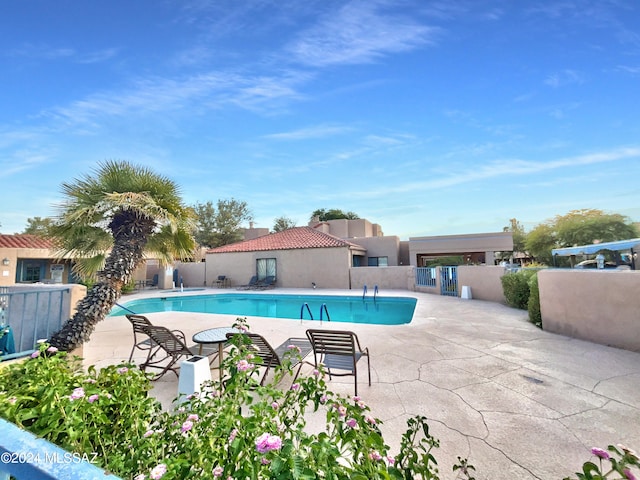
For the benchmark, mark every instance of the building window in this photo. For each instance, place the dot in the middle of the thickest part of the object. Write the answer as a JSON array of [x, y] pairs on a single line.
[[378, 261], [30, 271], [266, 267]]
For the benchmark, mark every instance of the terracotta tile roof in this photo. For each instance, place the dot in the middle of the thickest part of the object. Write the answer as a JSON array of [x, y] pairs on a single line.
[[291, 239], [24, 241]]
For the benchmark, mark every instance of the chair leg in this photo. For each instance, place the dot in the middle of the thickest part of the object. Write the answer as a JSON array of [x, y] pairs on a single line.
[[369, 369], [355, 379]]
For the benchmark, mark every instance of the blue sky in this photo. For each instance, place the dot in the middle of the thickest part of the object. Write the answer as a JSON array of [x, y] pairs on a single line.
[[427, 117]]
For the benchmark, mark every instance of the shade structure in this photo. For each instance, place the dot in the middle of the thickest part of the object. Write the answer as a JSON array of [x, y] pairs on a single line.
[[592, 249]]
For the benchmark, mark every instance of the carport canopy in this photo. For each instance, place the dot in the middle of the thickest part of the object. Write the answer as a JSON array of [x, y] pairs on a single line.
[[592, 249]]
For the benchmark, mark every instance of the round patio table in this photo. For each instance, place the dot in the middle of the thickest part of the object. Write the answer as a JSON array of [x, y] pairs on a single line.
[[214, 336]]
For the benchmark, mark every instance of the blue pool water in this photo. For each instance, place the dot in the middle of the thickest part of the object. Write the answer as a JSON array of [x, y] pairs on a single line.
[[381, 311]]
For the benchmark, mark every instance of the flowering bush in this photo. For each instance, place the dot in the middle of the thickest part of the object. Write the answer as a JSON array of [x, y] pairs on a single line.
[[233, 429], [614, 463]]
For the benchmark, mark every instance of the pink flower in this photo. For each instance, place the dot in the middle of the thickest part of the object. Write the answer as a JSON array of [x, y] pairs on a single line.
[[93, 398], [233, 434], [77, 394], [294, 347], [599, 452], [186, 426], [265, 461], [369, 419], [35, 354], [275, 405], [218, 471], [342, 410], [148, 433], [193, 417], [628, 474], [374, 455], [295, 386], [352, 423], [243, 365], [267, 442], [391, 460], [122, 370], [158, 471], [142, 476], [52, 349], [316, 372], [323, 399]]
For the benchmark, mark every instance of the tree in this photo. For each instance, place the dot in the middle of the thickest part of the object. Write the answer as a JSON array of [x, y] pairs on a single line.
[[221, 226], [578, 227], [540, 241], [38, 226], [518, 233], [108, 220], [583, 227], [333, 214], [283, 223]]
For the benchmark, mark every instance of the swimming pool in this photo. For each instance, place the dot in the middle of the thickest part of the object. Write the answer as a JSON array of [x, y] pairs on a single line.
[[381, 311]]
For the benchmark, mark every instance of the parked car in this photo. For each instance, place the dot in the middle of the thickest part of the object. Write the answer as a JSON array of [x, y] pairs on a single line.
[[594, 264]]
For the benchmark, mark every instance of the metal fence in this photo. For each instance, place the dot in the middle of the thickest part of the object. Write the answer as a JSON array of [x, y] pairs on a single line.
[[449, 281], [33, 313], [426, 276]]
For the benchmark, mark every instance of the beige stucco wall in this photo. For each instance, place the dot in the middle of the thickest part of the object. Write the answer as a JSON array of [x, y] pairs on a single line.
[[192, 273], [484, 281], [385, 277], [599, 306], [8, 273], [452, 244], [380, 247], [327, 267], [344, 228], [78, 292]]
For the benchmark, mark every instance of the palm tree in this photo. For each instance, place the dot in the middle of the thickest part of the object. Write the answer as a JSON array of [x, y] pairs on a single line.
[[107, 222]]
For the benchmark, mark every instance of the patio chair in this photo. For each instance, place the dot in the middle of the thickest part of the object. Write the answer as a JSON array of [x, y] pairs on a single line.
[[141, 340], [272, 358], [153, 282], [171, 347], [267, 282], [252, 283], [338, 350], [221, 281]]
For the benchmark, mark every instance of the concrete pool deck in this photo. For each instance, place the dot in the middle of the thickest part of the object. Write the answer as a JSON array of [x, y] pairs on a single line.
[[518, 402]]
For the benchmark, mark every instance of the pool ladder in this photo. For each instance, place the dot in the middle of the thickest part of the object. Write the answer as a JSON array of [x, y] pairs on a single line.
[[323, 309], [375, 292]]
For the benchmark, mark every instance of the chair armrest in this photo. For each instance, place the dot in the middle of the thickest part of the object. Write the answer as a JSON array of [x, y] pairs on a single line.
[[180, 335]]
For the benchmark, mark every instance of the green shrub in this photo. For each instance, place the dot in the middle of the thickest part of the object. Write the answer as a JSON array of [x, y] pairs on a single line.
[[97, 414], [533, 305], [516, 288]]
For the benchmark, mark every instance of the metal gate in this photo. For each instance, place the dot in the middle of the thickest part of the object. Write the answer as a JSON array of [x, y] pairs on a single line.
[[33, 314], [449, 281]]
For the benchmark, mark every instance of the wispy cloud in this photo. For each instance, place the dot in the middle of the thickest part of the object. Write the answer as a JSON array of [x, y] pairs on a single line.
[[504, 168], [47, 52], [633, 70], [187, 95], [360, 32], [564, 78], [318, 131]]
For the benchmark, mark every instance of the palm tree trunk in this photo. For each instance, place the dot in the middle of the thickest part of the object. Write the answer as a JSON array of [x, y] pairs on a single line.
[[130, 234]]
